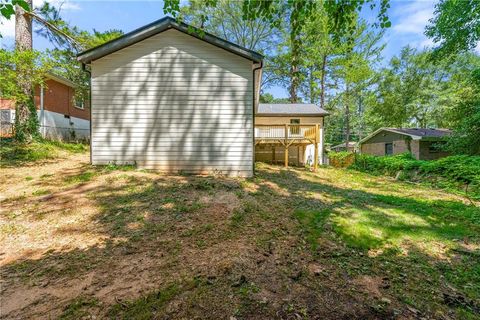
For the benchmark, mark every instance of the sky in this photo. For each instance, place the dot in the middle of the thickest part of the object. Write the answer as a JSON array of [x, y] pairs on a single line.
[[408, 17]]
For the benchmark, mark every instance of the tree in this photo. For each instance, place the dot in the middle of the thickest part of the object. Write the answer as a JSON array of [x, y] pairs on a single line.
[[466, 137], [456, 29], [7, 7], [342, 12], [353, 72], [455, 26], [412, 90], [225, 21], [64, 36]]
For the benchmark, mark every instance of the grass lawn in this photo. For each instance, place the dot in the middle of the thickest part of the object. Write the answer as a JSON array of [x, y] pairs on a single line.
[[114, 242]]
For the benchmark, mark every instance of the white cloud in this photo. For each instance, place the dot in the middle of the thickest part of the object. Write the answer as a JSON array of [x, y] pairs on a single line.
[[8, 26], [413, 16], [409, 19]]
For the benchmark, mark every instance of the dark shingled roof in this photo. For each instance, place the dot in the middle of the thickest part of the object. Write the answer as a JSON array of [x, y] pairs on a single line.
[[421, 132], [414, 133], [290, 109], [157, 27]]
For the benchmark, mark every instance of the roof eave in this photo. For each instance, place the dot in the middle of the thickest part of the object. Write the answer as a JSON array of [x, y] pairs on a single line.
[[291, 114], [157, 27]]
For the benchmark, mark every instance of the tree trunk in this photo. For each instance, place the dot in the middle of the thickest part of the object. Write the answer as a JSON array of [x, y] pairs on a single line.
[[311, 85], [294, 70], [26, 122], [322, 82], [294, 76], [23, 28], [347, 117]]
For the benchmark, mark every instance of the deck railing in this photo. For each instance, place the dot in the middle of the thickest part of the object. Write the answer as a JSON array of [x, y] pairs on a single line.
[[287, 135], [286, 132]]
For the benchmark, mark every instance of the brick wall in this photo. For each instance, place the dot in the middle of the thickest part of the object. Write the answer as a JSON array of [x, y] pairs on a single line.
[[58, 97], [425, 154]]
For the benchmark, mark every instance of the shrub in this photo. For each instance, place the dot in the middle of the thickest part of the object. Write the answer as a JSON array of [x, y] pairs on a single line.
[[454, 171], [341, 159]]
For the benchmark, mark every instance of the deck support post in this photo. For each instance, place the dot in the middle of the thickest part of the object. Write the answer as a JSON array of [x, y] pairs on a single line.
[[286, 145], [273, 154], [315, 154]]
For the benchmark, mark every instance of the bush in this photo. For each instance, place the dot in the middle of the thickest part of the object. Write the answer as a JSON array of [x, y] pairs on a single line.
[[456, 172], [386, 165], [341, 159]]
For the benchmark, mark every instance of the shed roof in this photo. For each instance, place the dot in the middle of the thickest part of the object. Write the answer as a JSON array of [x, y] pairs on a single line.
[[414, 133], [157, 27], [61, 79], [423, 132], [342, 145], [290, 109]]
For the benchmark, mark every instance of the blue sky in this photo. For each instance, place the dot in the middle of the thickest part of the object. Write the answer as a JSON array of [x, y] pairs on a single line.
[[408, 18]]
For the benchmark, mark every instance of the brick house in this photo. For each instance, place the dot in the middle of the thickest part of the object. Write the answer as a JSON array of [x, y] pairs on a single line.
[[423, 144], [61, 114]]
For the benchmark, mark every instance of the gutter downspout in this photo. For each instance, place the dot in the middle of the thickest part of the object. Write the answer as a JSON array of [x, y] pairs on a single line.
[[90, 105], [253, 106], [42, 113]]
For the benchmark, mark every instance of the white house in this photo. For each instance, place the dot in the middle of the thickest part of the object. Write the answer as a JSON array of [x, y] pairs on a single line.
[[168, 99]]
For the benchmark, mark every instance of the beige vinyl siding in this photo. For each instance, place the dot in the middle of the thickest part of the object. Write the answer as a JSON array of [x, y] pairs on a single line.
[[286, 120], [174, 103]]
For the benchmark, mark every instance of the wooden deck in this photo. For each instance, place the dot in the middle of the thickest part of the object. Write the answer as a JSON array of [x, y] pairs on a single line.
[[288, 135]]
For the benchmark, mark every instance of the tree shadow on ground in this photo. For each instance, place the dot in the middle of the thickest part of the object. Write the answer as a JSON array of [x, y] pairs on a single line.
[[280, 245]]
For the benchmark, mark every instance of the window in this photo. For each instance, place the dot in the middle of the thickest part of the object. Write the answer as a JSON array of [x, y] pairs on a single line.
[[388, 149], [294, 129], [79, 102]]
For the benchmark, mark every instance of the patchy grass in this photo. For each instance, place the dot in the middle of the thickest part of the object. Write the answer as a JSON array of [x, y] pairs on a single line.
[[147, 307], [12, 153], [116, 242], [79, 308]]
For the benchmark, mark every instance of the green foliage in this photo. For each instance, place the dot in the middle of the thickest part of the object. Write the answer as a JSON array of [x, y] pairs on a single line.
[[7, 7], [342, 12], [451, 172], [455, 27], [20, 73], [415, 89], [465, 117], [13, 153], [18, 67]]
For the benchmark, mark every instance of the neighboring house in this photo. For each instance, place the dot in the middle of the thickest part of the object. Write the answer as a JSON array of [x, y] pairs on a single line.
[[169, 97], [341, 147], [61, 115], [423, 144], [295, 128]]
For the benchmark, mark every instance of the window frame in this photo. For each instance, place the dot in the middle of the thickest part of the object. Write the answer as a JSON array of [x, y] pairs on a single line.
[[387, 144], [82, 102]]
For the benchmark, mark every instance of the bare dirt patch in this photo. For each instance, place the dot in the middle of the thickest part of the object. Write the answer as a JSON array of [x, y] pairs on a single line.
[[79, 241]]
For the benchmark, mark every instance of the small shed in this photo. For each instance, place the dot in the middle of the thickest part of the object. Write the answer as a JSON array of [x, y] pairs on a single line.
[[343, 147], [423, 144], [168, 96]]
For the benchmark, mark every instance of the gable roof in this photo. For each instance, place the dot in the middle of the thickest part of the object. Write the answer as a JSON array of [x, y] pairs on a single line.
[[414, 133], [290, 109], [157, 27]]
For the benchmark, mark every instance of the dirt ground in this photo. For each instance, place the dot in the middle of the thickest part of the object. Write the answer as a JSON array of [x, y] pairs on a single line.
[[80, 242]]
